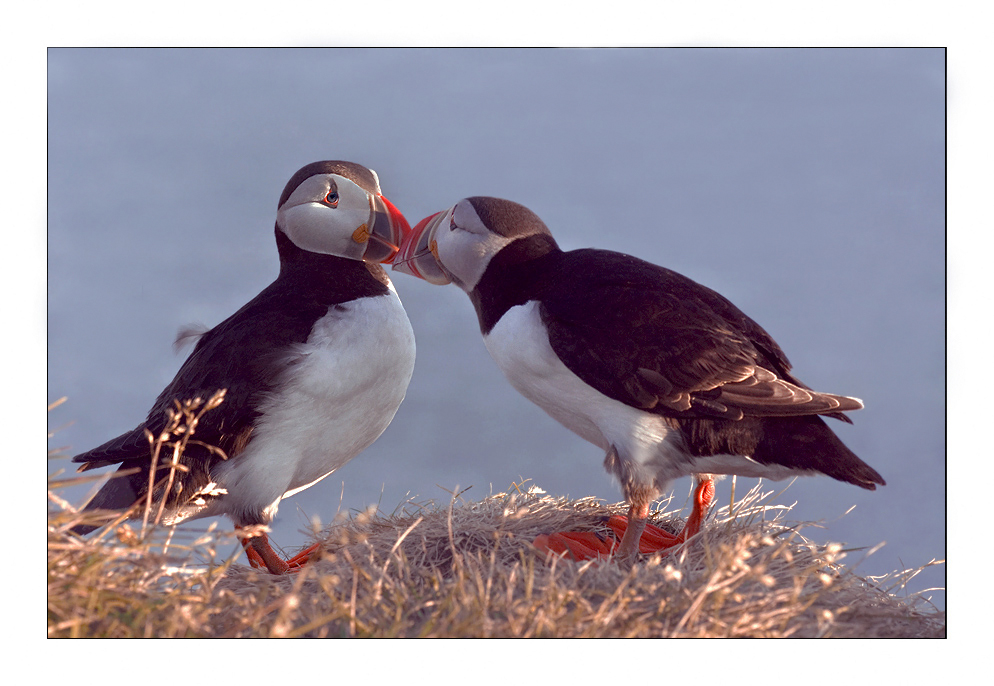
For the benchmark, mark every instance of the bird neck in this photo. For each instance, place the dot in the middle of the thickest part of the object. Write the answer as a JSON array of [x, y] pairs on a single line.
[[511, 277], [328, 278]]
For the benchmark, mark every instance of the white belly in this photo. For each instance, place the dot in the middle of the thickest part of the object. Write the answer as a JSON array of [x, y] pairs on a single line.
[[520, 346], [341, 392]]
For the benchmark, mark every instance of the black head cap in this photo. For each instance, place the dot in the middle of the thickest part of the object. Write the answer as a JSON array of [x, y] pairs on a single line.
[[363, 177], [507, 218]]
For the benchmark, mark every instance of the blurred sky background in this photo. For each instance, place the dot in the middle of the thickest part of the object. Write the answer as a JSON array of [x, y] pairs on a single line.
[[807, 186]]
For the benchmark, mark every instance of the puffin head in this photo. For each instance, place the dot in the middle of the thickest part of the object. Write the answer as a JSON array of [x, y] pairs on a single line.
[[336, 208], [458, 244]]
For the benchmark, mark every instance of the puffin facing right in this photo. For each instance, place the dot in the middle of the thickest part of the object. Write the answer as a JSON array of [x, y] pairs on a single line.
[[313, 369], [668, 377]]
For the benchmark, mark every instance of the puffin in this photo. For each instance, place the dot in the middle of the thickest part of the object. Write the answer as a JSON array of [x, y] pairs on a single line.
[[309, 372], [666, 376]]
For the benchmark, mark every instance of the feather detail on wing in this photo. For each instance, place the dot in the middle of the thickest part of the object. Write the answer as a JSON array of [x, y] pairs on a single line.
[[761, 394]]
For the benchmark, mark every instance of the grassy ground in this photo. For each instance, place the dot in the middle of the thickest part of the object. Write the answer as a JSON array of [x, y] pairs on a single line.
[[468, 569]]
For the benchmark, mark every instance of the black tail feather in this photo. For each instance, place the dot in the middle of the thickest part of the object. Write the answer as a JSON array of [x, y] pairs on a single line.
[[120, 493], [807, 443]]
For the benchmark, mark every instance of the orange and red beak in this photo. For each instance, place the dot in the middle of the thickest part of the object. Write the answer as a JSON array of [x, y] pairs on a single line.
[[388, 230], [418, 254]]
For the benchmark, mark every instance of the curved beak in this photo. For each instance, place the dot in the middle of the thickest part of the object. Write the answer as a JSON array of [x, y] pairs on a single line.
[[418, 255], [387, 229]]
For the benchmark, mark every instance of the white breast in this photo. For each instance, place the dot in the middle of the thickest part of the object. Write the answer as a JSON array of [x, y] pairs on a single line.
[[520, 345], [341, 392]]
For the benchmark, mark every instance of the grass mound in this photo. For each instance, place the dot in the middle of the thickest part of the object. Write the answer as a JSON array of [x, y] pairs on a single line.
[[468, 569]]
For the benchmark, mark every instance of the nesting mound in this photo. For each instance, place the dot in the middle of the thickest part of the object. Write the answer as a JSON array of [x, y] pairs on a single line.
[[469, 569]]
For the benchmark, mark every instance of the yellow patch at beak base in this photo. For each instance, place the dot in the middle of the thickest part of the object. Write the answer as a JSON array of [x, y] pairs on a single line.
[[361, 235]]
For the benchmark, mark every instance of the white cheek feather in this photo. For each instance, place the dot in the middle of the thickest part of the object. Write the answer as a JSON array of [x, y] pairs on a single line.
[[353, 206], [341, 393], [466, 255], [319, 229]]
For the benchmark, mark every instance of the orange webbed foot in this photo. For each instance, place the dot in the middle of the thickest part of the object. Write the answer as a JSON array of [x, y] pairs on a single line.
[[589, 545], [579, 545], [301, 558], [653, 538]]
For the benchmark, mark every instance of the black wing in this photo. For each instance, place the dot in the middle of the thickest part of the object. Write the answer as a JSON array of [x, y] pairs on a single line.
[[653, 339], [240, 355]]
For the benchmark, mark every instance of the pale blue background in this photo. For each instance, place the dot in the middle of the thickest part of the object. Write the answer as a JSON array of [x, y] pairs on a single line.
[[807, 186]]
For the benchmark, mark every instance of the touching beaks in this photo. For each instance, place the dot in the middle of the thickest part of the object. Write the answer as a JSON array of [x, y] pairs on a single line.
[[418, 254], [385, 233]]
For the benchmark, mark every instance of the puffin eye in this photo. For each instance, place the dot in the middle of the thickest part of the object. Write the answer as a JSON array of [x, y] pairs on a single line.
[[331, 198]]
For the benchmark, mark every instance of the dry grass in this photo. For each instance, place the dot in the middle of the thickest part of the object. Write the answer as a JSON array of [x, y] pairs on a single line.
[[465, 569], [468, 569]]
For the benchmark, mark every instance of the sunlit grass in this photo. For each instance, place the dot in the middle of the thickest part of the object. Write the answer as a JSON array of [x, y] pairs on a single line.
[[468, 569], [461, 568]]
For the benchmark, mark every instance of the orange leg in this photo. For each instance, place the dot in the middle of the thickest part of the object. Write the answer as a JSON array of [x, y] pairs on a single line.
[[631, 540], [703, 495], [261, 556]]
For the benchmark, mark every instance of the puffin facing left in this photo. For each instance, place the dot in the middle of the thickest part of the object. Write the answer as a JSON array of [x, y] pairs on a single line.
[[314, 368]]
